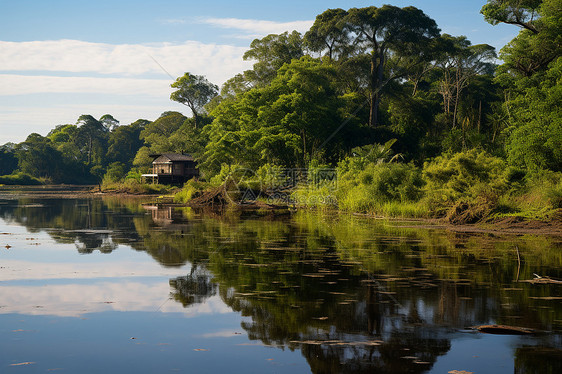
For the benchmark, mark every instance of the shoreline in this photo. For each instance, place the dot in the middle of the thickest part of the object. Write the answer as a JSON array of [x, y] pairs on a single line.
[[502, 226], [506, 225]]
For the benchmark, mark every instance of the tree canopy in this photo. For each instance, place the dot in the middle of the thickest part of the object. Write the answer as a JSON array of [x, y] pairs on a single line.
[[285, 122], [522, 13], [385, 33], [194, 91]]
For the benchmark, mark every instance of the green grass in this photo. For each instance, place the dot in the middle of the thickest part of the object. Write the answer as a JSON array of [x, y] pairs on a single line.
[[131, 186], [20, 179], [396, 209]]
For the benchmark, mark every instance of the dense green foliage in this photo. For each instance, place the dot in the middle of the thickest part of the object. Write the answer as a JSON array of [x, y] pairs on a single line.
[[285, 122], [8, 159], [405, 116]]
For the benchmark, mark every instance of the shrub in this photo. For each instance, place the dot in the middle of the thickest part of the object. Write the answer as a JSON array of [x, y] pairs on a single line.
[[115, 172], [469, 174], [270, 176], [238, 175], [189, 190], [19, 179], [134, 175], [377, 184]]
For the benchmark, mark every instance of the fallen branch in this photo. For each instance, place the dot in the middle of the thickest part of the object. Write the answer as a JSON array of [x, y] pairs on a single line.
[[542, 280]]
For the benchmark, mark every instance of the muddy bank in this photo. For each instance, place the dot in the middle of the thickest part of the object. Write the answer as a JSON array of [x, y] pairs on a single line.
[[63, 192], [507, 225], [46, 191], [518, 225]]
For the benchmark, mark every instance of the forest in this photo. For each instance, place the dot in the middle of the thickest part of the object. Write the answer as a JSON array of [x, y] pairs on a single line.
[[413, 122]]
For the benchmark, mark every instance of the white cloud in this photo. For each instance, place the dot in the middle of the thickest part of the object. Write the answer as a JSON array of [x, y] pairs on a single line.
[[75, 300], [45, 83], [77, 288], [13, 84], [258, 27], [221, 334], [18, 270], [217, 62]]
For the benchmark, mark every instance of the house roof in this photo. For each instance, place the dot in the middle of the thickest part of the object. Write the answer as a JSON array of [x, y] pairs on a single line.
[[171, 157]]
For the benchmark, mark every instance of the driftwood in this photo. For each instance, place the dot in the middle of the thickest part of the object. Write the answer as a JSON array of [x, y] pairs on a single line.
[[504, 330], [229, 194], [542, 280], [214, 197], [219, 196]]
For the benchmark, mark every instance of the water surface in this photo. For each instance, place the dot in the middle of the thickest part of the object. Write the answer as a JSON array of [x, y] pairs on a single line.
[[107, 285]]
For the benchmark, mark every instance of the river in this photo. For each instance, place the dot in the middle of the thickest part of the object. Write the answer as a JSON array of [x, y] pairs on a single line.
[[91, 285]]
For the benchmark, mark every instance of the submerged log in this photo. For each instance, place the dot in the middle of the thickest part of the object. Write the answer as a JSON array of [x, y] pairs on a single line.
[[504, 330]]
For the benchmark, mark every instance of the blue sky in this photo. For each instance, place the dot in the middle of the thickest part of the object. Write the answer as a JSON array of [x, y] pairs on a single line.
[[60, 59]]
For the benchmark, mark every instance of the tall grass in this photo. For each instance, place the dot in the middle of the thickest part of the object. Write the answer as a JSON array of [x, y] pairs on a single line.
[[538, 197]]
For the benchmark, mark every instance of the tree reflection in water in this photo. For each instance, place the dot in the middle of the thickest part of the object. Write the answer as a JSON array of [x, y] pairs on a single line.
[[352, 294], [355, 299], [90, 224], [538, 360], [194, 288]]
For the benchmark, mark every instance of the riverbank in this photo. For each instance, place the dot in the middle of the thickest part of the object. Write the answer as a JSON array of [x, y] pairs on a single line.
[[504, 225], [515, 225]]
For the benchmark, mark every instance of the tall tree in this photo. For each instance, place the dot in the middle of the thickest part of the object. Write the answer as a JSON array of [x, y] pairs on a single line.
[[272, 52], [63, 134], [158, 137], [534, 49], [535, 134], [194, 91], [109, 122], [531, 74], [124, 142], [91, 139], [286, 122], [238, 84], [327, 34], [163, 127], [384, 33], [458, 64]]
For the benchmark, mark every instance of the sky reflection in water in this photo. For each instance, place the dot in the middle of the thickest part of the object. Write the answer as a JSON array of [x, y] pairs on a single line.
[[103, 285]]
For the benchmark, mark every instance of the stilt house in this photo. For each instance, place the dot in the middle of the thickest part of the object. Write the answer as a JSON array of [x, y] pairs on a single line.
[[172, 168]]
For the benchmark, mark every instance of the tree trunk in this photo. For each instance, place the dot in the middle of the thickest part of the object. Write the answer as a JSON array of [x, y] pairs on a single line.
[[458, 88], [377, 75], [89, 150], [479, 115], [455, 111], [374, 101], [195, 119]]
